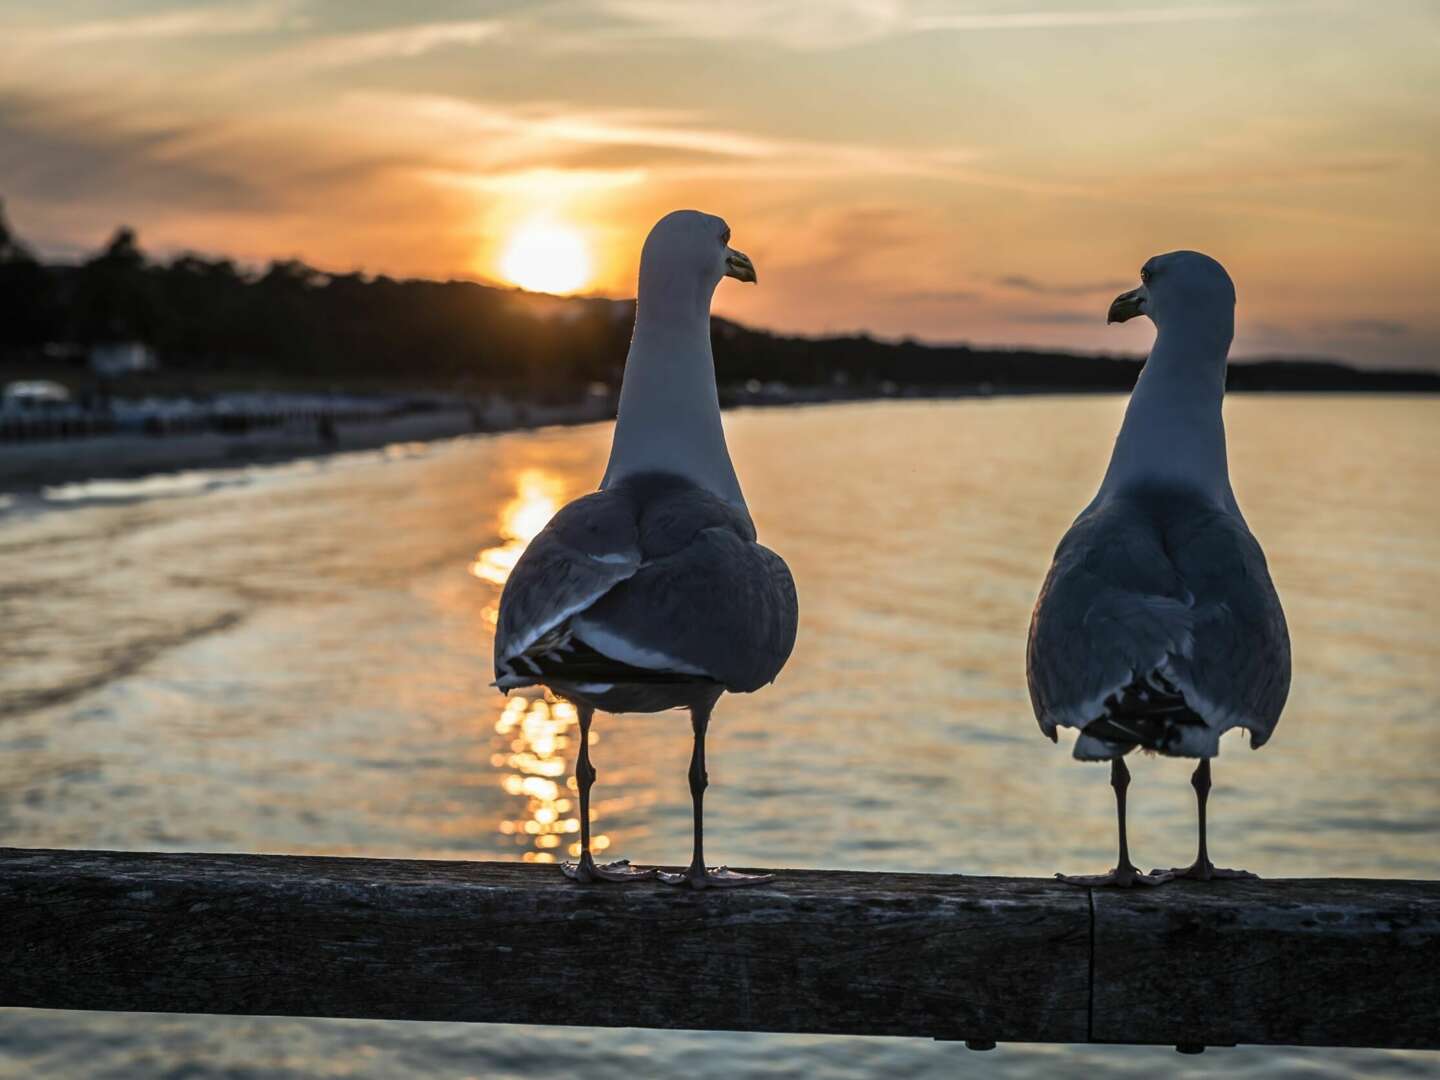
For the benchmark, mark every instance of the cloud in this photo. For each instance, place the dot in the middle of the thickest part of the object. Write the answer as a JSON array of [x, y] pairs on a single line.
[[800, 25], [294, 54], [1232, 174], [330, 51], [1062, 19], [475, 134], [803, 25], [255, 18], [1023, 283], [57, 154]]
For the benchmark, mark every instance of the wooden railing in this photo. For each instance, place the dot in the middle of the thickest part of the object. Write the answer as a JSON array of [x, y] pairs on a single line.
[[1306, 962]]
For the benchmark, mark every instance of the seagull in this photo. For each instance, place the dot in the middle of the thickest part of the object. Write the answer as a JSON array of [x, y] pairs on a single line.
[[1158, 625], [652, 592]]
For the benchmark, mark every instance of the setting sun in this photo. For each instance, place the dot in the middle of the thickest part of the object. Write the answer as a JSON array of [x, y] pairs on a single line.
[[547, 257]]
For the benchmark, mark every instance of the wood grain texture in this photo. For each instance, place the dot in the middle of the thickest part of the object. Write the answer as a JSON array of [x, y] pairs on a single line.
[[818, 951], [1305, 962], [1325, 962]]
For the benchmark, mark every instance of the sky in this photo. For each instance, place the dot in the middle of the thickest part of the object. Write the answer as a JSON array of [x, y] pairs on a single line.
[[991, 172]]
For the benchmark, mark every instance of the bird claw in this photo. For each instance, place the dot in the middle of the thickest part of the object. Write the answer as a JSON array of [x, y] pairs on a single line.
[[587, 872], [1122, 877], [715, 877]]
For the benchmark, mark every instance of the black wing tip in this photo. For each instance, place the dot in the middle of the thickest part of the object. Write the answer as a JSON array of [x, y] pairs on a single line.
[[578, 662], [1151, 713]]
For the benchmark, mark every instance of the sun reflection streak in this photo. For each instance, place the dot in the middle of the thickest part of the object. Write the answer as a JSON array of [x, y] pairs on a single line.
[[534, 734], [537, 497]]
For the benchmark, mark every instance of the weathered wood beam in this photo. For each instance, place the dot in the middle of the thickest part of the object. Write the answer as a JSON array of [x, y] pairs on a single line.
[[1323, 962], [1346, 963]]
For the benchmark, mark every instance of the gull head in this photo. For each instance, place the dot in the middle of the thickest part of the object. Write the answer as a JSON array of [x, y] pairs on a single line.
[[1179, 282], [688, 248]]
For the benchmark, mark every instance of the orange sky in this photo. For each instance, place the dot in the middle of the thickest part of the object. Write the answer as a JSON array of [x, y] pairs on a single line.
[[991, 172]]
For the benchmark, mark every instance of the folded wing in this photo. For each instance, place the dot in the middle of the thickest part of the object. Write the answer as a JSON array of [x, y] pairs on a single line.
[[587, 549], [654, 580], [722, 606], [1237, 672], [1159, 626]]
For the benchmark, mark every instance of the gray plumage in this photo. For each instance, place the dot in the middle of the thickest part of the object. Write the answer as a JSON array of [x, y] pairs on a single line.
[[1168, 589], [644, 595]]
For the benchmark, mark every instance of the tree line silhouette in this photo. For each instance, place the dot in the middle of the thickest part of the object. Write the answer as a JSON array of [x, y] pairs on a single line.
[[207, 315]]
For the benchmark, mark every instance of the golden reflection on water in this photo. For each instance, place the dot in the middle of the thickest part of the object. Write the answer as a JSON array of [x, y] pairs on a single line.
[[533, 732], [534, 735], [537, 497]]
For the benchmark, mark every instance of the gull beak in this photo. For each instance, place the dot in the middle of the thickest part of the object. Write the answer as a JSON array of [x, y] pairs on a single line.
[[1127, 306], [739, 266]]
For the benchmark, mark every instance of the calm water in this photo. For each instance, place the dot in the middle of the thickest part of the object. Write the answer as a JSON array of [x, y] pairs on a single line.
[[296, 659]]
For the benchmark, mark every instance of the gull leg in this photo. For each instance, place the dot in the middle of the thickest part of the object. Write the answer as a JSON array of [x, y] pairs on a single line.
[[586, 870], [1203, 869], [1125, 873], [698, 876]]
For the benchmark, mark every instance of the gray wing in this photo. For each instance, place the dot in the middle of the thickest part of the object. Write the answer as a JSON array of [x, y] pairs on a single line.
[[1112, 605], [1172, 588], [1237, 672], [588, 548], [721, 606]]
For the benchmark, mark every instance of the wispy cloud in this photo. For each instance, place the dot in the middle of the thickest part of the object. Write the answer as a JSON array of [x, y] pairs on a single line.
[[254, 18], [1060, 19], [526, 136], [799, 24], [65, 154], [1229, 176], [330, 51], [561, 123]]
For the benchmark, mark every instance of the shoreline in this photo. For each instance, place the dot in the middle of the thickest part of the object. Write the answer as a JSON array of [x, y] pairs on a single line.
[[28, 469]]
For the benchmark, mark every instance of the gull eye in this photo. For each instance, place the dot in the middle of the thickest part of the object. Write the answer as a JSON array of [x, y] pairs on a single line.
[[1145, 275], [725, 237]]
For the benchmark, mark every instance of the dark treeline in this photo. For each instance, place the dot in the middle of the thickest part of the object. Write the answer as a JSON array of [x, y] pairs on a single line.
[[204, 316]]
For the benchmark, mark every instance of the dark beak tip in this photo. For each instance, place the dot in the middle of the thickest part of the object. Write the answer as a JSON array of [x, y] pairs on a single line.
[[742, 270], [1124, 308]]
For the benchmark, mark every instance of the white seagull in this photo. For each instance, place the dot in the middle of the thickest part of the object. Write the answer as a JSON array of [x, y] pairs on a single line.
[[652, 592], [1158, 626]]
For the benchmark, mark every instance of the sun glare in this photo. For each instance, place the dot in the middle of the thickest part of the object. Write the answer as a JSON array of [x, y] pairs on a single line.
[[547, 257], [537, 498]]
